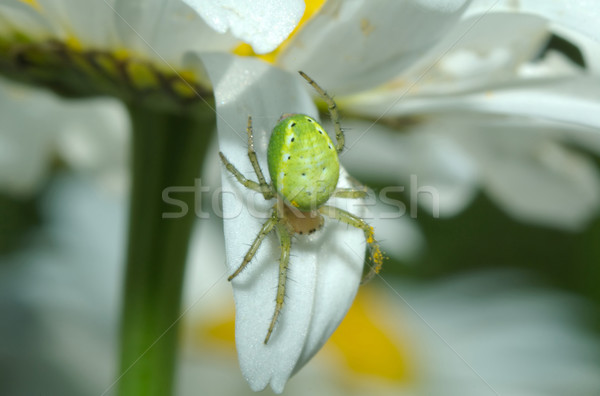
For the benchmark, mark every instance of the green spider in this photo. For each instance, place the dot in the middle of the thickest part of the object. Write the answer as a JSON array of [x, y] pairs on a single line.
[[304, 169]]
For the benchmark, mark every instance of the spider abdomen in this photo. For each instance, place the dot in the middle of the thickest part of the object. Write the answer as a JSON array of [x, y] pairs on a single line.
[[303, 162]]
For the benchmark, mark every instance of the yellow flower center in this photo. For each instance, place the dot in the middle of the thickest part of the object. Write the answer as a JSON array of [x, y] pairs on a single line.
[[71, 70], [367, 342]]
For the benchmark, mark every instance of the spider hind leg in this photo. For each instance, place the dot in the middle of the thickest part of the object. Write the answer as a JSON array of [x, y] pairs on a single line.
[[264, 231], [285, 243], [376, 256]]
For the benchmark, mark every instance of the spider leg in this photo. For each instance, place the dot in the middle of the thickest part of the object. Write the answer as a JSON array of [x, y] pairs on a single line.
[[355, 221], [265, 188], [264, 231], [286, 243], [333, 113], [349, 193]]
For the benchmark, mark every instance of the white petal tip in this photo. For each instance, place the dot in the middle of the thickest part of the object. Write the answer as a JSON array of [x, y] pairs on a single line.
[[264, 24]]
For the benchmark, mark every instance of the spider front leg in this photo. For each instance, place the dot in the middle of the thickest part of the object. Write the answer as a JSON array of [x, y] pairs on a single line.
[[265, 188], [264, 231], [262, 186], [355, 221], [252, 185], [285, 242], [333, 113]]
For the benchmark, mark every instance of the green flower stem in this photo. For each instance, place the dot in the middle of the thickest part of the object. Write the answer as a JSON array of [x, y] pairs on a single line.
[[168, 150]]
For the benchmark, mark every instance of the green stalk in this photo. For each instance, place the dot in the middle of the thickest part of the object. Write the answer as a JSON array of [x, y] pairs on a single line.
[[168, 150]]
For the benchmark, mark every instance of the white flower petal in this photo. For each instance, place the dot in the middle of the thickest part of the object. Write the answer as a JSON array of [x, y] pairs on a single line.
[[476, 53], [35, 126], [353, 45], [544, 182], [476, 57], [325, 268], [339, 253], [87, 22], [509, 331], [589, 47], [69, 280], [442, 5], [553, 65], [165, 29], [433, 169], [521, 165], [443, 178], [16, 16], [94, 139], [526, 170], [25, 146], [578, 15], [264, 24], [574, 101], [402, 237]]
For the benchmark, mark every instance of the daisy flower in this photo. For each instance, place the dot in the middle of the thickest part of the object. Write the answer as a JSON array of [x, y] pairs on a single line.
[[134, 50], [454, 78]]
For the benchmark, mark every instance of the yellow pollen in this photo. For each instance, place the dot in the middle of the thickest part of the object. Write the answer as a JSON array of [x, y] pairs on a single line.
[[184, 88], [122, 54], [370, 238], [187, 75], [366, 27], [378, 257], [141, 75], [73, 43], [107, 63]]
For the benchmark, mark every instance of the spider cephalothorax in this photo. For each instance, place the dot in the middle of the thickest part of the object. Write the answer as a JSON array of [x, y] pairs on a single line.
[[304, 169]]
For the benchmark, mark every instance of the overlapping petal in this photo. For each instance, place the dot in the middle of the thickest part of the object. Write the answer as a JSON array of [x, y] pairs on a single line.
[[325, 268], [264, 24], [528, 172], [166, 29], [578, 15], [545, 99], [574, 20], [17, 16], [428, 166], [354, 45]]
